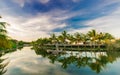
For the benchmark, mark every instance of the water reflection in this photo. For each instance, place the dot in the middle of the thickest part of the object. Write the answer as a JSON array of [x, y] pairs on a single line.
[[4, 60], [2, 63], [97, 61], [39, 62]]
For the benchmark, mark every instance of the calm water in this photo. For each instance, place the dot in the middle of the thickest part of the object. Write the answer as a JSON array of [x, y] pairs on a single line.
[[39, 62]]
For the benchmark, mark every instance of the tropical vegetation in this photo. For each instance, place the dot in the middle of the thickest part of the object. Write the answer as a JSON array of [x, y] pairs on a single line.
[[5, 41], [92, 38]]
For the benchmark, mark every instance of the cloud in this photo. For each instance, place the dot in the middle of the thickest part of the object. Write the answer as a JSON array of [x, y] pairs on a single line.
[[44, 1], [109, 23], [31, 64], [76, 0], [20, 2], [31, 28], [35, 24]]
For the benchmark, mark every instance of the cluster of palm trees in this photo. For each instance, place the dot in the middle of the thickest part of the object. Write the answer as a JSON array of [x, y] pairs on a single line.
[[91, 37]]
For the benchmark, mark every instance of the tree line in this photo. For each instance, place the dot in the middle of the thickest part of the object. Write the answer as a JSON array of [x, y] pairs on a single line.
[[91, 37]]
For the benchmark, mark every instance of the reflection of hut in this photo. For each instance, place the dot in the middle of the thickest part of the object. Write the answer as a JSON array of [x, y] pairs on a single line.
[[55, 52]]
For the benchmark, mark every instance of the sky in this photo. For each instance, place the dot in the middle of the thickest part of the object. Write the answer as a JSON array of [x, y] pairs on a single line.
[[32, 19]]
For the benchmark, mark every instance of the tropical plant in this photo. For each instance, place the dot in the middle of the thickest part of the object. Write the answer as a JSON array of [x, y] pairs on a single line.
[[92, 36], [4, 42], [64, 35], [53, 38], [79, 37]]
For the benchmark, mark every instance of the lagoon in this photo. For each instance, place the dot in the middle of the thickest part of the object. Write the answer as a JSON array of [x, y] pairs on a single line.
[[28, 61]]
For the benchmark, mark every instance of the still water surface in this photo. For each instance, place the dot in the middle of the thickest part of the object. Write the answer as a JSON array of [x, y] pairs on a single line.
[[38, 62]]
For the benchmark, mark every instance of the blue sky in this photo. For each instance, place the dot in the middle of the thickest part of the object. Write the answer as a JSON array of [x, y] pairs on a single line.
[[31, 19]]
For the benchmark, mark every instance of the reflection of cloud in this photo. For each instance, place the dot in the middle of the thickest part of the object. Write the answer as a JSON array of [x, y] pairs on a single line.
[[31, 64]]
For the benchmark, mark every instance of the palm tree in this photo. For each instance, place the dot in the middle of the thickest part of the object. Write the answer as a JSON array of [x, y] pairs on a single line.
[[78, 37], [64, 36], [93, 36], [108, 36], [107, 39], [53, 38], [4, 43], [71, 38], [100, 39]]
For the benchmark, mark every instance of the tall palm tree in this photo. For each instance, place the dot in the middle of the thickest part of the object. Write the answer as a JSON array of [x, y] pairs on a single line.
[[4, 43], [53, 38], [93, 36], [108, 36], [64, 35], [71, 38], [78, 37], [100, 39]]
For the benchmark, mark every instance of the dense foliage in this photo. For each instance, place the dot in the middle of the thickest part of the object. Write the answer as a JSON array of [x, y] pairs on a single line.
[[92, 37]]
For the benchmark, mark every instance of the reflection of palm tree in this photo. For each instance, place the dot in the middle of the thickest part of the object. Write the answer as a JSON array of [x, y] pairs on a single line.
[[96, 67], [66, 61], [40, 51], [2, 66], [95, 63], [53, 58]]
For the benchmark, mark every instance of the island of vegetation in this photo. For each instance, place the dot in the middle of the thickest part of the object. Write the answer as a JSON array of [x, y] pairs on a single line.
[[92, 40]]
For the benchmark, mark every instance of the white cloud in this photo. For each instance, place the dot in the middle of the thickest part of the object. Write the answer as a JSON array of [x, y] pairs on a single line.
[[41, 25], [44, 1], [109, 23], [108, 2], [31, 28], [20, 2]]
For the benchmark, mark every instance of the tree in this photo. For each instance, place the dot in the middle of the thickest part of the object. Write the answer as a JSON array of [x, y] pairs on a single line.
[[93, 36], [53, 38], [64, 36], [4, 42], [78, 37], [71, 38]]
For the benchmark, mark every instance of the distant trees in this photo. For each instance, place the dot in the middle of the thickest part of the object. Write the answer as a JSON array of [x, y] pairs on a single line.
[[92, 37], [92, 40]]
